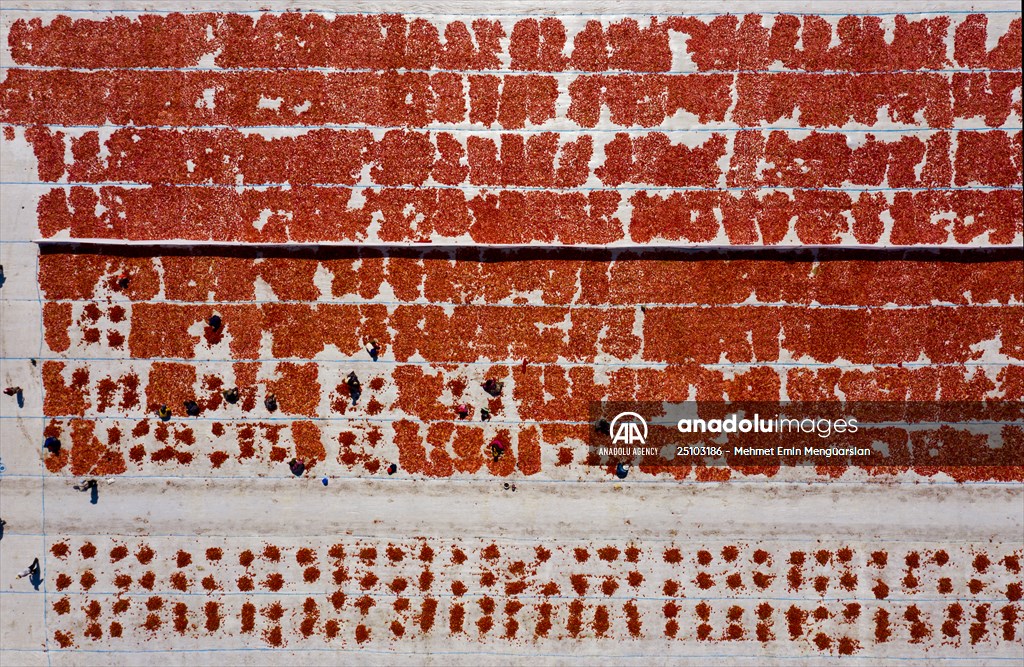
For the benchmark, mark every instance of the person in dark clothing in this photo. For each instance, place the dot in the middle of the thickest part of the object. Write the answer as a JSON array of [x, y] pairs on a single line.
[[164, 412], [485, 415], [31, 571], [297, 467], [497, 449], [231, 395], [214, 322], [373, 347], [12, 391], [86, 485], [392, 469], [462, 410], [191, 408], [622, 470], [493, 387], [270, 402], [123, 279], [52, 445], [355, 389], [603, 427]]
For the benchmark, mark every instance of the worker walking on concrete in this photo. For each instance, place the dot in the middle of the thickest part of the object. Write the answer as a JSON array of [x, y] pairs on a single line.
[[86, 485], [31, 571], [355, 389]]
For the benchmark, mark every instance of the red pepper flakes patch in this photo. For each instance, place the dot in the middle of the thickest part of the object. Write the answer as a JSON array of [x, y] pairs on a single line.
[[273, 636], [274, 611], [364, 604], [179, 581], [274, 581], [60, 550], [92, 611], [248, 617], [426, 554], [212, 611], [87, 580]]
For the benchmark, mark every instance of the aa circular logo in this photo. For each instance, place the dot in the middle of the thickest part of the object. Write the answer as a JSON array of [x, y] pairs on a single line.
[[629, 428]]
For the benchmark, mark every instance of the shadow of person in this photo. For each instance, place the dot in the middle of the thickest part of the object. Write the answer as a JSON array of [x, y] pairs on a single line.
[[94, 494], [36, 579], [2, 524], [21, 399]]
